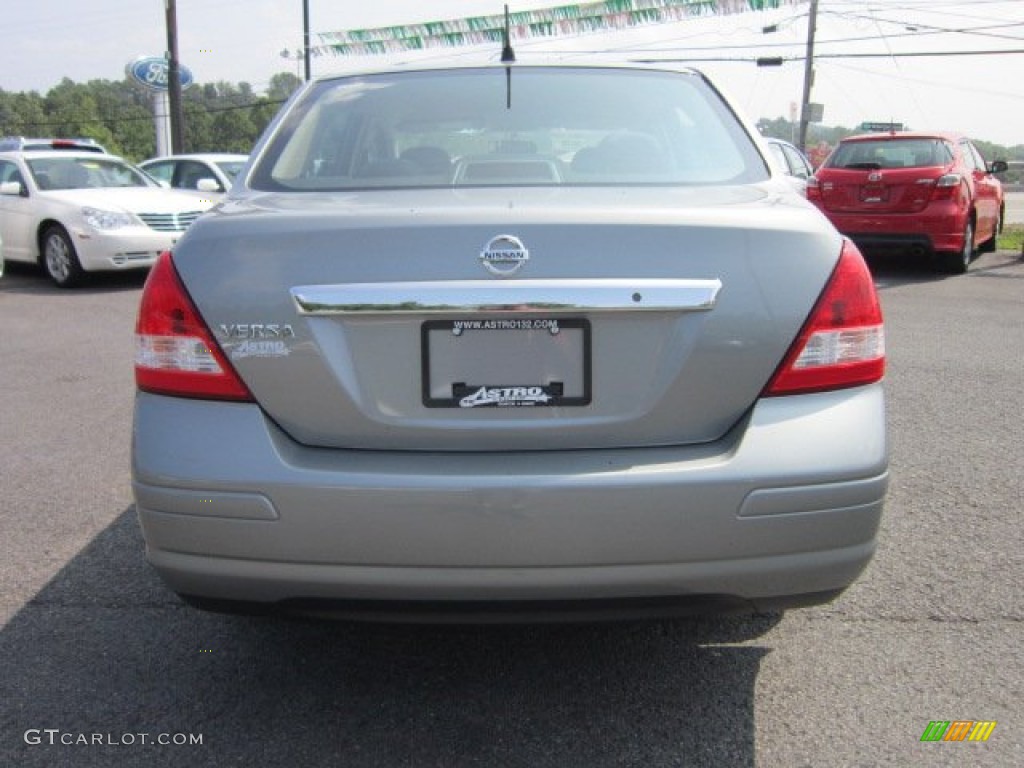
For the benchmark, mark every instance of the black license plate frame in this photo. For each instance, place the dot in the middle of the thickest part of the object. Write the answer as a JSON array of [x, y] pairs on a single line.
[[499, 392]]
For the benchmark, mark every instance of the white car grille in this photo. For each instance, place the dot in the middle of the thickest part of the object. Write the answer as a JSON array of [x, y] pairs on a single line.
[[170, 222]]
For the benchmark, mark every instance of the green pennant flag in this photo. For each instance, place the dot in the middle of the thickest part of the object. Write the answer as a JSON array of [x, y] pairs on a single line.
[[524, 25]]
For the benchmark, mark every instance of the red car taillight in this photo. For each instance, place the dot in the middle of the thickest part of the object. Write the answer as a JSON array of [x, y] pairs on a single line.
[[842, 344], [813, 188], [175, 353]]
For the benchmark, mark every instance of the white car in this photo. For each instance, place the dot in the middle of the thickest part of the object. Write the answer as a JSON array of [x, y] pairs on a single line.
[[209, 172], [77, 212], [792, 161]]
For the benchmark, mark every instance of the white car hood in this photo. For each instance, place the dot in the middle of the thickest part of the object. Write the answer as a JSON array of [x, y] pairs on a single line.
[[133, 199]]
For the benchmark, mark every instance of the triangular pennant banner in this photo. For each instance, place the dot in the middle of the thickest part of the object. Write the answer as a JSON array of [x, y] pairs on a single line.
[[526, 25]]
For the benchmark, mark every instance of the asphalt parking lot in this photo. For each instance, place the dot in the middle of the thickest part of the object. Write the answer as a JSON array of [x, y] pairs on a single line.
[[96, 653]]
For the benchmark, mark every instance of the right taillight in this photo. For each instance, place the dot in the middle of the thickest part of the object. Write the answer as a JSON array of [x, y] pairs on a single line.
[[175, 353], [947, 187], [842, 344]]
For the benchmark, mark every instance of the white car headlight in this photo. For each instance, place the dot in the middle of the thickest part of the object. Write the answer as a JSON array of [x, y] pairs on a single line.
[[99, 219]]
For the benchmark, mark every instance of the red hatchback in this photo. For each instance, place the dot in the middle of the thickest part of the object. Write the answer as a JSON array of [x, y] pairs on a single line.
[[920, 193]]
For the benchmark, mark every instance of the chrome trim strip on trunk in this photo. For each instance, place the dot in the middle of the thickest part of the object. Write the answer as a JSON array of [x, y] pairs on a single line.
[[547, 296]]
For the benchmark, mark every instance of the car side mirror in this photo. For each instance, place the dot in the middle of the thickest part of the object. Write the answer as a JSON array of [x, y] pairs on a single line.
[[208, 185], [13, 189], [998, 166]]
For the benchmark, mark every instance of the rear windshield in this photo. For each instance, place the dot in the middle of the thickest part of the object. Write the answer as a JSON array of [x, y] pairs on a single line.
[[891, 153], [498, 127]]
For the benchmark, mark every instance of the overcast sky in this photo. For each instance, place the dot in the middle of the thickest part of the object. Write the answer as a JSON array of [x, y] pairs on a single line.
[[44, 41]]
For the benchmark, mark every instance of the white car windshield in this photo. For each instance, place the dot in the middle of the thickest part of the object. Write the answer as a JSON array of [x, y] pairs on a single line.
[[508, 127], [231, 168], [62, 172]]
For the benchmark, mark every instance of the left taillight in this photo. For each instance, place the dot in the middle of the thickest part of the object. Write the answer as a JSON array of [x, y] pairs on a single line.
[[175, 353], [813, 190]]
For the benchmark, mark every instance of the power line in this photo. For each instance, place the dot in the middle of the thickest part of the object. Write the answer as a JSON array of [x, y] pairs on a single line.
[[915, 30], [916, 54], [902, 54], [982, 31], [766, 46], [971, 88]]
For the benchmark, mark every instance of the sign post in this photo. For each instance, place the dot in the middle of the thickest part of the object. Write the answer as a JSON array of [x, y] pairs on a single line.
[[162, 122]]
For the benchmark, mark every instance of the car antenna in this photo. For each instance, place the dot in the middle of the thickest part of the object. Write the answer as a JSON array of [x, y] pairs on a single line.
[[508, 56]]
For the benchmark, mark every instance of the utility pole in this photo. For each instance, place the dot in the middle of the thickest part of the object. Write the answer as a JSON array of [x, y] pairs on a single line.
[[305, 35], [174, 79], [805, 104]]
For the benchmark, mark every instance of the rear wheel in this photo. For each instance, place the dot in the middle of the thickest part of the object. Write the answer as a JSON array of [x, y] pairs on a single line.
[[958, 262], [60, 259]]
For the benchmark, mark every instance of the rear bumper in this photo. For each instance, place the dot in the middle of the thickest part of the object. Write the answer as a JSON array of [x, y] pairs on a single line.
[[784, 509], [927, 232], [875, 244]]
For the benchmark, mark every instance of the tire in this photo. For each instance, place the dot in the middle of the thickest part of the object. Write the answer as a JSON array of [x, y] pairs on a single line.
[[59, 258], [959, 262]]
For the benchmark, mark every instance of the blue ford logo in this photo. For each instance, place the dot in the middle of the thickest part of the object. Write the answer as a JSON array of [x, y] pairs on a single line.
[[152, 71]]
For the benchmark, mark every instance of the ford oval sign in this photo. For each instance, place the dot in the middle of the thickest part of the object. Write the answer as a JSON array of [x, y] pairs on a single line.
[[151, 71]]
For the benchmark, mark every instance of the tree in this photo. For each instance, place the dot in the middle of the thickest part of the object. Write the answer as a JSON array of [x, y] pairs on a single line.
[[282, 85], [74, 113]]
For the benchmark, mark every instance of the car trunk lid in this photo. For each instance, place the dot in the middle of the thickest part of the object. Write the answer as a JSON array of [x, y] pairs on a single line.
[[628, 317], [877, 190]]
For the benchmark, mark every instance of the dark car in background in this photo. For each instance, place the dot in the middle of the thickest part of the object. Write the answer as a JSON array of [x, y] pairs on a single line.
[[922, 194]]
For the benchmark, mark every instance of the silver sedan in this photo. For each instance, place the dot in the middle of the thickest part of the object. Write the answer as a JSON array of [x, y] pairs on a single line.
[[510, 340]]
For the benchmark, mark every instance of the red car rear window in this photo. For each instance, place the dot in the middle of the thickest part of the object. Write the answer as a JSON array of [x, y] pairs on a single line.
[[892, 153]]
